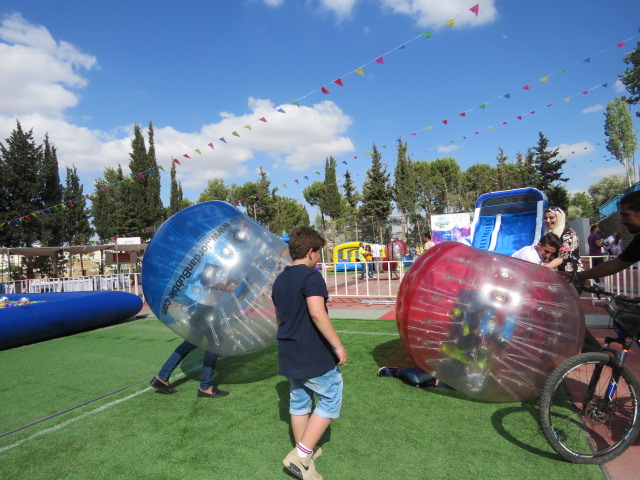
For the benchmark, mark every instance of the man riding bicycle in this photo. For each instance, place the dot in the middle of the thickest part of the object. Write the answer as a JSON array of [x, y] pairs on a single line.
[[630, 217]]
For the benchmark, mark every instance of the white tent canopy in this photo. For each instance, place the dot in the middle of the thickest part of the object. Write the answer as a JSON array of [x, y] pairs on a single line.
[[38, 251]]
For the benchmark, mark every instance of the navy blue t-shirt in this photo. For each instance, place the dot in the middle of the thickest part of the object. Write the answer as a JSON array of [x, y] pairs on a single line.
[[303, 352]]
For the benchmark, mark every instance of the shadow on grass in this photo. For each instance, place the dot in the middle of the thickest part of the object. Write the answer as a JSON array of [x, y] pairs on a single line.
[[391, 354], [250, 368], [536, 443]]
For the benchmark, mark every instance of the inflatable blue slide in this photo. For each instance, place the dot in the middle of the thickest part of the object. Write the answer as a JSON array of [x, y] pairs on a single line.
[[506, 221]]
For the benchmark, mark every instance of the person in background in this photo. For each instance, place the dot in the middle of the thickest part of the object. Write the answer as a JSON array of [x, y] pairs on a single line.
[[617, 245], [595, 247], [412, 251], [546, 249], [369, 258], [376, 251], [362, 258], [428, 243], [568, 259]]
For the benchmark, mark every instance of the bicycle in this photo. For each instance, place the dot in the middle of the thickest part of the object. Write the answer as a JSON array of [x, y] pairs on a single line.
[[589, 404]]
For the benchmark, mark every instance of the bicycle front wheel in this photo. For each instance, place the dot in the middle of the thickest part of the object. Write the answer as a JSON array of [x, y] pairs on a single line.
[[578, 420]]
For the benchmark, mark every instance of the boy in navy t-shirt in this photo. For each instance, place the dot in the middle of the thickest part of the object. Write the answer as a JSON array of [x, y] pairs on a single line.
[[309, 350]]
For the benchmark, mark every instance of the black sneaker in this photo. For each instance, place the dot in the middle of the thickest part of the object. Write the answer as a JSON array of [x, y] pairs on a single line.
[[215, 394], [161, 387], [388, 371]]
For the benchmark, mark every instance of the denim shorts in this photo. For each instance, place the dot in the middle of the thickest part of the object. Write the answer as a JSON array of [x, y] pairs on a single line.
[[327, 387]]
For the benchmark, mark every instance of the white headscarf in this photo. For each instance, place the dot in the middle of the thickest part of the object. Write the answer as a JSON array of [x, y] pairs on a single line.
[[560, 220]]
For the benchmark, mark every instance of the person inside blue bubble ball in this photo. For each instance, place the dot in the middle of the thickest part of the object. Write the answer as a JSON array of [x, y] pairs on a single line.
[[211, 277]]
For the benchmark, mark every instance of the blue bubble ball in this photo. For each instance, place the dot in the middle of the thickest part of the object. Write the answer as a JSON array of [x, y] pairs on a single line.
[[207, 274]]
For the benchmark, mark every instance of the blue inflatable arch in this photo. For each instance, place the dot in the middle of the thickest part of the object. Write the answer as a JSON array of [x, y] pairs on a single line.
[[506, 221]]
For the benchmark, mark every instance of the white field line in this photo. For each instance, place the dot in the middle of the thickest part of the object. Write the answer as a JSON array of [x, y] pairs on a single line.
[[129, 397], [370, 333]]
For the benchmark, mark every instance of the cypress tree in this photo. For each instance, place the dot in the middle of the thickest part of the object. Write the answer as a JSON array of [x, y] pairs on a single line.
[[175, 199], [141, 194], [377, 193], [51, 195], [330, 198], [20, 161], [405, 191]]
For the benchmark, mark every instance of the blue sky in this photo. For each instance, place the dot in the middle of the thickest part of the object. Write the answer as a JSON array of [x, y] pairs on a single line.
[[85, 72]]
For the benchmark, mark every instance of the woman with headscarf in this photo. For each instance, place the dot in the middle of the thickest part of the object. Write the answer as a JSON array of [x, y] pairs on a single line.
[[569, 254], [568, 259]]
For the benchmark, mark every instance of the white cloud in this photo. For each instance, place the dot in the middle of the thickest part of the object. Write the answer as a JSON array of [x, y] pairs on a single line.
[[593, 109], [273, 3], [606, 172], [37, 78], [575, 149], [432, 12], [619, 87], [341, 8], [448, 148], [37, 73]]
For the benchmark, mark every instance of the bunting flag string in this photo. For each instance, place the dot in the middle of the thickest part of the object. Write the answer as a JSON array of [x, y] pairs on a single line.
[[325, 89], [518, 117], [482, 106]]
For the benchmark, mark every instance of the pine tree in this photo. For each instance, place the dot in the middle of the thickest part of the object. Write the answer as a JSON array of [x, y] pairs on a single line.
[[351, 197], [330, 198], [156, 211], [377, 193], [405, 191], [622, 142], [549, 170], [51, 195], [107, 208], [141, 196], [77, 230], [20, 160], [175, 200]]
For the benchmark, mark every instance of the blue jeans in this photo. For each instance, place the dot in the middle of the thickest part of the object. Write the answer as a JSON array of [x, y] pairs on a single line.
[[327, 387], [208, 364]]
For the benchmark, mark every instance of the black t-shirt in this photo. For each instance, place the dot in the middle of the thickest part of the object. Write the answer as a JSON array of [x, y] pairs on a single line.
[[303, 352], [632, 252]]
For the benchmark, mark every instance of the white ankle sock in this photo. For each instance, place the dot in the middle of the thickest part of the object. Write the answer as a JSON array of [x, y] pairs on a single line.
[[303, 452]]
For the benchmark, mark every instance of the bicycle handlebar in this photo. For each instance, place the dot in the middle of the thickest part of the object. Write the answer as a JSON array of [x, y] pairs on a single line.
[[599, 291]]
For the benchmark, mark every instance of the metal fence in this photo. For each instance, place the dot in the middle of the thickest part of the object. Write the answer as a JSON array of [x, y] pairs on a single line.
[[343, 281], [116, 282]]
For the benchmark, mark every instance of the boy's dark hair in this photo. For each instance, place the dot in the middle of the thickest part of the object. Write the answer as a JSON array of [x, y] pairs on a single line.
[[594, 226], [552, 240], [631, 200], [301, 239]]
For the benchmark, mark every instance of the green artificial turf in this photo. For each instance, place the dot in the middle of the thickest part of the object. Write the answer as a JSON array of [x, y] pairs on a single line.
[[387, 430]]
